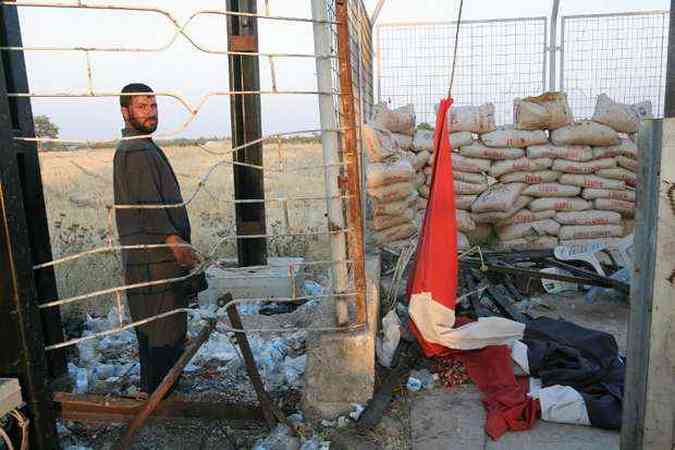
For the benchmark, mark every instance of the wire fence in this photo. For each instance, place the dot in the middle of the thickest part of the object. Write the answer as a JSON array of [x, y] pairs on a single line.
[[497, 60], [622, 55], [359, 40]]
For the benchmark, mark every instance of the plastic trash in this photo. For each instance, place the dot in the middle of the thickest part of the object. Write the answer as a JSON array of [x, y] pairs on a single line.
[[294, 368], [413, 384], [279, 439], [596, 292], [81, 377], [356, 413], [312, 288], [391, 335], [425, 377], [555, 286]]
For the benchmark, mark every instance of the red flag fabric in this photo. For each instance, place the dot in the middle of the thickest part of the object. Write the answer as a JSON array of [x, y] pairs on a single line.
[[438, 236]]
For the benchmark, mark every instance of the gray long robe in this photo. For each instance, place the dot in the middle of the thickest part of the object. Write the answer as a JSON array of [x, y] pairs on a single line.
[[143, 176]]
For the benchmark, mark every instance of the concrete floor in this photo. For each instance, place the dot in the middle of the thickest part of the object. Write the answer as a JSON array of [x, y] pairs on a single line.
[[442, 419]]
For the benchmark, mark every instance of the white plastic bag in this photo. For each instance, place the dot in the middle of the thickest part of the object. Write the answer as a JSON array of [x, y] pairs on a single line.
[[568, 232], [624, 194]]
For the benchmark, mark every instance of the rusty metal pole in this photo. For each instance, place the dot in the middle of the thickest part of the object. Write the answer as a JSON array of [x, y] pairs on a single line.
[[351, 180]]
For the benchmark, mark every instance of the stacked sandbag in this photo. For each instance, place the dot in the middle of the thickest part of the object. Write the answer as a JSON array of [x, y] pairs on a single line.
[[423, 147], [390, 175]]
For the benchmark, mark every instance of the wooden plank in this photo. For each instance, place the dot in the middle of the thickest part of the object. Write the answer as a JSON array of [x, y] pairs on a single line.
[[649, 411], [245, 114], [105, 409]]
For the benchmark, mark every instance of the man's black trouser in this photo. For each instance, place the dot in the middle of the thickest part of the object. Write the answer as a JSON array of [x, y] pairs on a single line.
[[161, 341]]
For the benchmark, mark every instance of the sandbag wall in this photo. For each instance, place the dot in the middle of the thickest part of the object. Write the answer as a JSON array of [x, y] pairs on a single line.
[[390, 172], [546, 179]]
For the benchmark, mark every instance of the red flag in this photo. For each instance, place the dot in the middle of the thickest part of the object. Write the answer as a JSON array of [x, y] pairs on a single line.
[[434, 272]]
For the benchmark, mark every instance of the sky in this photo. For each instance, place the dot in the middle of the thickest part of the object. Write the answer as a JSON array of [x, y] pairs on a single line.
[[183, 70]]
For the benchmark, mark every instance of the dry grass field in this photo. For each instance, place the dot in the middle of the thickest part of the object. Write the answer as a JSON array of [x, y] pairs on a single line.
[[78, 189]]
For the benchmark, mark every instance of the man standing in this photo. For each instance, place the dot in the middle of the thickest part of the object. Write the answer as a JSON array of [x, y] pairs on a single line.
[[143, 176]]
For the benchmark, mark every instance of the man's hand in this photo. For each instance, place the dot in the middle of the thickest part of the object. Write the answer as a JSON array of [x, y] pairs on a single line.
[[184, 255]]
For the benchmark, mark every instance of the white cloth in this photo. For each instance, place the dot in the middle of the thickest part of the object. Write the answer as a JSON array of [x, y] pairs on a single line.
[[519, 355], [562, 404], [435, 322]]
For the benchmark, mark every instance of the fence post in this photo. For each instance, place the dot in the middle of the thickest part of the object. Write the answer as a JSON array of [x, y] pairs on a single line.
[[553, 46], [329, 143], [352, 160]]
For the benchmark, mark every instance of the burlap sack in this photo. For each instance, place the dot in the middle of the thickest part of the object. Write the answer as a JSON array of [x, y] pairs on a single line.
[[419, 179], [464, 221], [625, 148], [476, 119], [526, 216], [393, 234], [625, 195], [465, 164], [391, 192], [619, 116], [396, 208], [625, 208], [619, 173], [585, 132], [508, 136], [500, 197], [460, 139], [498, 216], [552, 190], [469, 177], [547, 227], [591, 217], [628, 163], [579, 153], [464, 201], [379, 144], [559, 204], [481, 234], [462, 188], [423, 140], [379, 223], [568, 232], [586, 168], [404, 141], [591, 181], [541, 176], [549, 110], [478, 150], [383, 174], [421, 160], [500, 168], [400, 120]]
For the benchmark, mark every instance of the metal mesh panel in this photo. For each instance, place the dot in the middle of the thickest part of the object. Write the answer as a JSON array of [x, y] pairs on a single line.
[[497, 60], [622, 55]]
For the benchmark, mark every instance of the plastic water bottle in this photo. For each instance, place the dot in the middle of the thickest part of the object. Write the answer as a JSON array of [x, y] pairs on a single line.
[[81, 381]]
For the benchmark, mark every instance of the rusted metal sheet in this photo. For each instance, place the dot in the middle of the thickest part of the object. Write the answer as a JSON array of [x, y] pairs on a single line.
[[352, 159]]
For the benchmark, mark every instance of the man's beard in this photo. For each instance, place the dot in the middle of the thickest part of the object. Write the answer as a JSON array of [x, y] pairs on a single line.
[[139, 125]]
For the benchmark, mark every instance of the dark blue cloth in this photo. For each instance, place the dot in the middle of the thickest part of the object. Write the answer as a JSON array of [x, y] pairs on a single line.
[[561, 352]]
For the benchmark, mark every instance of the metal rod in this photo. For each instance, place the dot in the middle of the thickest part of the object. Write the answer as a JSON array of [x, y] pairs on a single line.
[[552, 44], [353, 175], [166, 384]]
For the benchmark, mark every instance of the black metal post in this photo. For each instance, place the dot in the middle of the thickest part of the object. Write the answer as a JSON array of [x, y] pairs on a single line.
[[245, 112], [22, 354], [21, 124]]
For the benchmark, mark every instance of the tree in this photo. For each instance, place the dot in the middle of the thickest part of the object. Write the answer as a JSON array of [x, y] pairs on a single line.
[[45, 128]]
